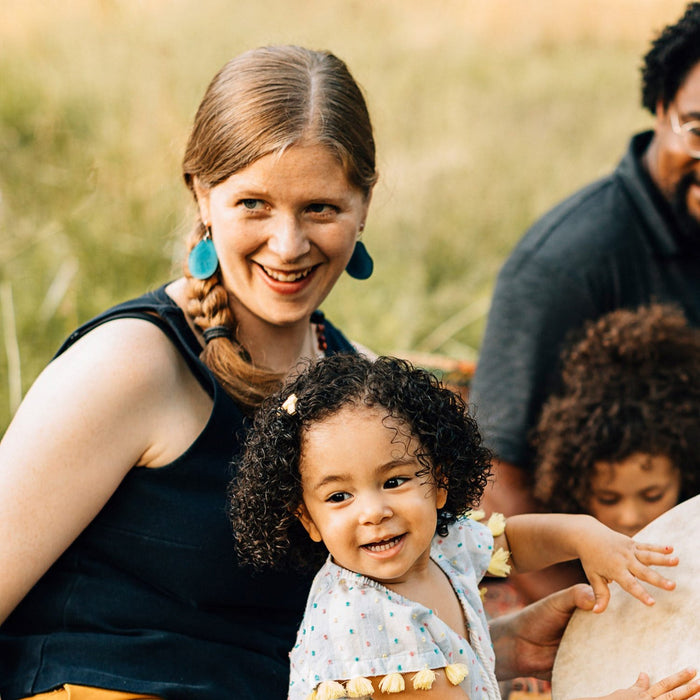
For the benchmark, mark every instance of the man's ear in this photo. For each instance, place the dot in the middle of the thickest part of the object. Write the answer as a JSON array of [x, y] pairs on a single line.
[[661, 113], [305, 519]]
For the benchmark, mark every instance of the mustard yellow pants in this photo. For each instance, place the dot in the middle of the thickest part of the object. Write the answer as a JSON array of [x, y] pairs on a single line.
[[82, 692]]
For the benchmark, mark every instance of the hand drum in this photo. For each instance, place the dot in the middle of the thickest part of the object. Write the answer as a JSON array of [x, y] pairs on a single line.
[[600, 653]]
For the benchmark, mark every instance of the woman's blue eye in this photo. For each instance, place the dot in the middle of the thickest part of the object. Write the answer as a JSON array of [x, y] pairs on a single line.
[[250, 203]]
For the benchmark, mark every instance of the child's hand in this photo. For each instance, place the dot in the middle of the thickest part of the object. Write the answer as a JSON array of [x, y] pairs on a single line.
[[678, 686], [608, 556]]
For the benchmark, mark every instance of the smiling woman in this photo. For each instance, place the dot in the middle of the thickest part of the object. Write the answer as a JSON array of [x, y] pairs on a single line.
[[275, 172], [133, 590], [284, 229]]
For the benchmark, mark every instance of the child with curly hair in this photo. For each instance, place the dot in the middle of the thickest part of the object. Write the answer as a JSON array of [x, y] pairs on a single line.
[[621, 440], [379, 465]]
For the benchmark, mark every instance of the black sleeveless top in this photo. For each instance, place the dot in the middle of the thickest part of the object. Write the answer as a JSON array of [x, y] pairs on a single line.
[[149, 598]]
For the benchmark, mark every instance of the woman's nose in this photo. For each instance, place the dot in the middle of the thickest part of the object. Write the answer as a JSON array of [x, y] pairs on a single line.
[[288, 240]]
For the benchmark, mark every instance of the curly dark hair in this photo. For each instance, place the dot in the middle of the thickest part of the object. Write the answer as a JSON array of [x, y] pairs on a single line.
[[631, 384], [672, 56], [266, 491]]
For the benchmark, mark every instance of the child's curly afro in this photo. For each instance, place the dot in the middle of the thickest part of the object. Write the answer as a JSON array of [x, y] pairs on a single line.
[[266, 491], [631, 385]]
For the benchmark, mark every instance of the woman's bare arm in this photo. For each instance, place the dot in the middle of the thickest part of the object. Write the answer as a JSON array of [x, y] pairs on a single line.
[[121, 396]]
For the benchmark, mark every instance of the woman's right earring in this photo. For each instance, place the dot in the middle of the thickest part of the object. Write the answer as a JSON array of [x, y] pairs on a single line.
[[203, 260]]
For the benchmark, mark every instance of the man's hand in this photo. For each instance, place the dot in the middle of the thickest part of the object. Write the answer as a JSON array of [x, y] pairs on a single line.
[[526, 642]]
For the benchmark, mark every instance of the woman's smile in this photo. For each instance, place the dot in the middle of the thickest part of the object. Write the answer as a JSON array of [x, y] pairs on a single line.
[[287, 282], [287, 276]]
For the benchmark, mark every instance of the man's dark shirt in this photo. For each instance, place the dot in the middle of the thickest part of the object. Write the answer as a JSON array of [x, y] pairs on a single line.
[[611, 245]]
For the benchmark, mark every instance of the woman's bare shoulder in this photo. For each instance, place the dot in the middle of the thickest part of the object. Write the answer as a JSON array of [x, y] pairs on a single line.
[[119, 397], [125, 375], [133, 343]]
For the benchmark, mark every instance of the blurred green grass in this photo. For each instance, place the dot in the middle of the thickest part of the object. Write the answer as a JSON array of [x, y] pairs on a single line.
[[486, 113]]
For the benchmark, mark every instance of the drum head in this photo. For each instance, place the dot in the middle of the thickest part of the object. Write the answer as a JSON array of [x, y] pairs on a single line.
[[600, 653]]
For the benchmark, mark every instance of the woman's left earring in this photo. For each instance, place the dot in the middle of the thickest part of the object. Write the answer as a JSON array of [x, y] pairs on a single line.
[[203, 260], [360, 265]]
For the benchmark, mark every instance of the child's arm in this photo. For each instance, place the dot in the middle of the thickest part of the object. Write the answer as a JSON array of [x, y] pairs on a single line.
[[539, 540]]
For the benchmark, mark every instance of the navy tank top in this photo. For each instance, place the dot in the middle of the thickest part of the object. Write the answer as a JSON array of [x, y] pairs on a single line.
[[149, 598]]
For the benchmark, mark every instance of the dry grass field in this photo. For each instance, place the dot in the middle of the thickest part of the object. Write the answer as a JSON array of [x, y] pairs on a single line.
[[486, 113]]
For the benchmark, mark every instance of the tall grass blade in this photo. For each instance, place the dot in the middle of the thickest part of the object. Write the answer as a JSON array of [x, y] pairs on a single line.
[[9, 333]]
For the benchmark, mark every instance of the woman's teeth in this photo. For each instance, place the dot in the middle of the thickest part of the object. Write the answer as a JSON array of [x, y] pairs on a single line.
[[286, 276]]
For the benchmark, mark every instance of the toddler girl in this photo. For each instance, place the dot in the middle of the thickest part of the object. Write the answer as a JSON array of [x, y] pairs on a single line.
[[378, 464]]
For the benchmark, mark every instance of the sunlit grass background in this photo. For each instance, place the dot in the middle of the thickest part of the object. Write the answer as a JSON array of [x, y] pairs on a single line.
[[486, 113]]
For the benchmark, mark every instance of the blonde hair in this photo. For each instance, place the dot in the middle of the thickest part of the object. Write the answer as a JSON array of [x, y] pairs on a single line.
[[261, 102]]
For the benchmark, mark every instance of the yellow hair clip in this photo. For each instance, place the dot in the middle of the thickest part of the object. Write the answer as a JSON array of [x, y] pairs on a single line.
[[290, 405]]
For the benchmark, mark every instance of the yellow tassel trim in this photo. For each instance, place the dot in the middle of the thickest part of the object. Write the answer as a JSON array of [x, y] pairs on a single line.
[[312, 695], [392, 683], [499, 566], [329, 690], [482, 593], [476, 515], [497, 524], [424, 679], [359, 687], [456, 673]]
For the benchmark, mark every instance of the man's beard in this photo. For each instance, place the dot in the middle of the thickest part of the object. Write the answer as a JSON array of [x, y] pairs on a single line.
[[689, 226]]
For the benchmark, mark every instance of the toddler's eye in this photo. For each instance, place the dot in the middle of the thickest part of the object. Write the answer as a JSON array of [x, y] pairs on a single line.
[[338, 497], [395, 482]]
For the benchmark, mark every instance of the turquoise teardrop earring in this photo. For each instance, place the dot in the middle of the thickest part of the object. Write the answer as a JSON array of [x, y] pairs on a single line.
[[203, 260]]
